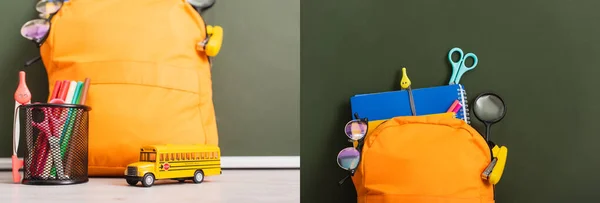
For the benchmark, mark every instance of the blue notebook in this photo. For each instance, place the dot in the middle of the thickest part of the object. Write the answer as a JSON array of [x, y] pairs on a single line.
[[431, 100]]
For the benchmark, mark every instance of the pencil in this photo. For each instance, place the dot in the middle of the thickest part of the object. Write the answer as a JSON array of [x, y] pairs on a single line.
[[86, 87], [70, 120], [454, 104], [70, 129]]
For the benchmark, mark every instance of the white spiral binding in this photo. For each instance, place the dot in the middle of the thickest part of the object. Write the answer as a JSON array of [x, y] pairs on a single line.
[[462, 94]]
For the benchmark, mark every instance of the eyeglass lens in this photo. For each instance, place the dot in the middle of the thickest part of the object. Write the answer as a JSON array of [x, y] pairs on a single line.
[[356, 129], [37, 29], [48, 7], [348, 158]]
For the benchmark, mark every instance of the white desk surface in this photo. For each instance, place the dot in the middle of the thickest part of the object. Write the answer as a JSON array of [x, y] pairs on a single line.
[[235, 186]]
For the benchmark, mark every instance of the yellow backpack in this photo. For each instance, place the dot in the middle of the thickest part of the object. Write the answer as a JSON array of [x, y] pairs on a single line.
[[150, 71], [423, 159]]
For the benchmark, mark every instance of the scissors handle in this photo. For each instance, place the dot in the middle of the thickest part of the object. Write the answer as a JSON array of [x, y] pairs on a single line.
[[460, 55], [455, 64], [464, 68], [475, 60]]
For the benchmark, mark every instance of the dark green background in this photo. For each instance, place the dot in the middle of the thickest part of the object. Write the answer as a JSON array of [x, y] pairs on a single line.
[[256, 93], [14, 51], [542, 57]]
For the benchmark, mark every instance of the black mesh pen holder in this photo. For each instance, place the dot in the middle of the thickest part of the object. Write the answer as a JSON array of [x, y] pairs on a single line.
[[56, 137]]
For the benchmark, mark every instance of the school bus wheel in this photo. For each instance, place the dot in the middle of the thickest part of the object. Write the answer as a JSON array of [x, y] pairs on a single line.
[[131, 181], [198, 176], [148, 180]]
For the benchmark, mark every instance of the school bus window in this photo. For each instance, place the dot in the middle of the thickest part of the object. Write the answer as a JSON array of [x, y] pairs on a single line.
[[148, 156], [162, 157], [188, 156]]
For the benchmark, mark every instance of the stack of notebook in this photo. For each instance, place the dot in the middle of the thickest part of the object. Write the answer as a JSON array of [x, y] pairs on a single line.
[[432, 100]]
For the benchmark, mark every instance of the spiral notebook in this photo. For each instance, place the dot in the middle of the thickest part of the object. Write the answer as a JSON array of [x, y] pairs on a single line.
[[431, 100]]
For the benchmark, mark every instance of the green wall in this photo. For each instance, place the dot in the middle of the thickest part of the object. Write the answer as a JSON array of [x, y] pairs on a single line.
[[255, 77], [14, 51], [540, 56]]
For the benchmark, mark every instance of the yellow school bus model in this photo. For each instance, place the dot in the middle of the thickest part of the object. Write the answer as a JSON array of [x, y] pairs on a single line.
[[175, 162]]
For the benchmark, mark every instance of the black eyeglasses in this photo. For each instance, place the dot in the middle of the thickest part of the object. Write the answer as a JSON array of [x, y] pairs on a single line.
[[37, 30], [349, 157]]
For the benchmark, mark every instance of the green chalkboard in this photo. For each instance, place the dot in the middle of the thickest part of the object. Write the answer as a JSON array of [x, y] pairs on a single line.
[[14, 52], [540, 56], [256, 93], [256, 77]]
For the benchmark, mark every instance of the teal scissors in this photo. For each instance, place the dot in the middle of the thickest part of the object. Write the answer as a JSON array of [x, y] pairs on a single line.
[[458, 67]]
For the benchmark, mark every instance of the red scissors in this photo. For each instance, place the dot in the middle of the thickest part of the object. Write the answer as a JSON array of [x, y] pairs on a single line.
[[50, 130]]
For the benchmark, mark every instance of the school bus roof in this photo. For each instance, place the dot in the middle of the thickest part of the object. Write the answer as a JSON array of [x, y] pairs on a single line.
[[180, 148]]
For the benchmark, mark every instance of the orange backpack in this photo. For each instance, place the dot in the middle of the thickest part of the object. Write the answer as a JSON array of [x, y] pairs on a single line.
[[148, 61], [423, 159]]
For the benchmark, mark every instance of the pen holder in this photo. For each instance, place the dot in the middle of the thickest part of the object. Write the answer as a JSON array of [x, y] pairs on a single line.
[[56, 138]]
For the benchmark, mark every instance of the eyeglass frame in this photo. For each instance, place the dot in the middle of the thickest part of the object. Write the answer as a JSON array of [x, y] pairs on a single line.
[[359, 147], [41, 41]]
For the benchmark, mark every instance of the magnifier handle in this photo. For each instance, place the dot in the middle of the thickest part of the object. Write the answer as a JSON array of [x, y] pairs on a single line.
[[487, 131]]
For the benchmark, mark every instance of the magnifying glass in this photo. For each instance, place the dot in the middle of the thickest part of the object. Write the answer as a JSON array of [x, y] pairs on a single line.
[[489, 108], [202, 5]]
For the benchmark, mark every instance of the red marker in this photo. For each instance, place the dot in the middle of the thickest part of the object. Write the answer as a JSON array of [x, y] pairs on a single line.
[[456, 108], [56, 90]]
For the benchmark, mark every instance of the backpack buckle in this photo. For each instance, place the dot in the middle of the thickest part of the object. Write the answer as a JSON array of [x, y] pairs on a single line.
[[493, 172], [212, 44]]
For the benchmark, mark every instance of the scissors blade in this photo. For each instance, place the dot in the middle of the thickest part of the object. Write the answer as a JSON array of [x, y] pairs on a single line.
[[55, 155]]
